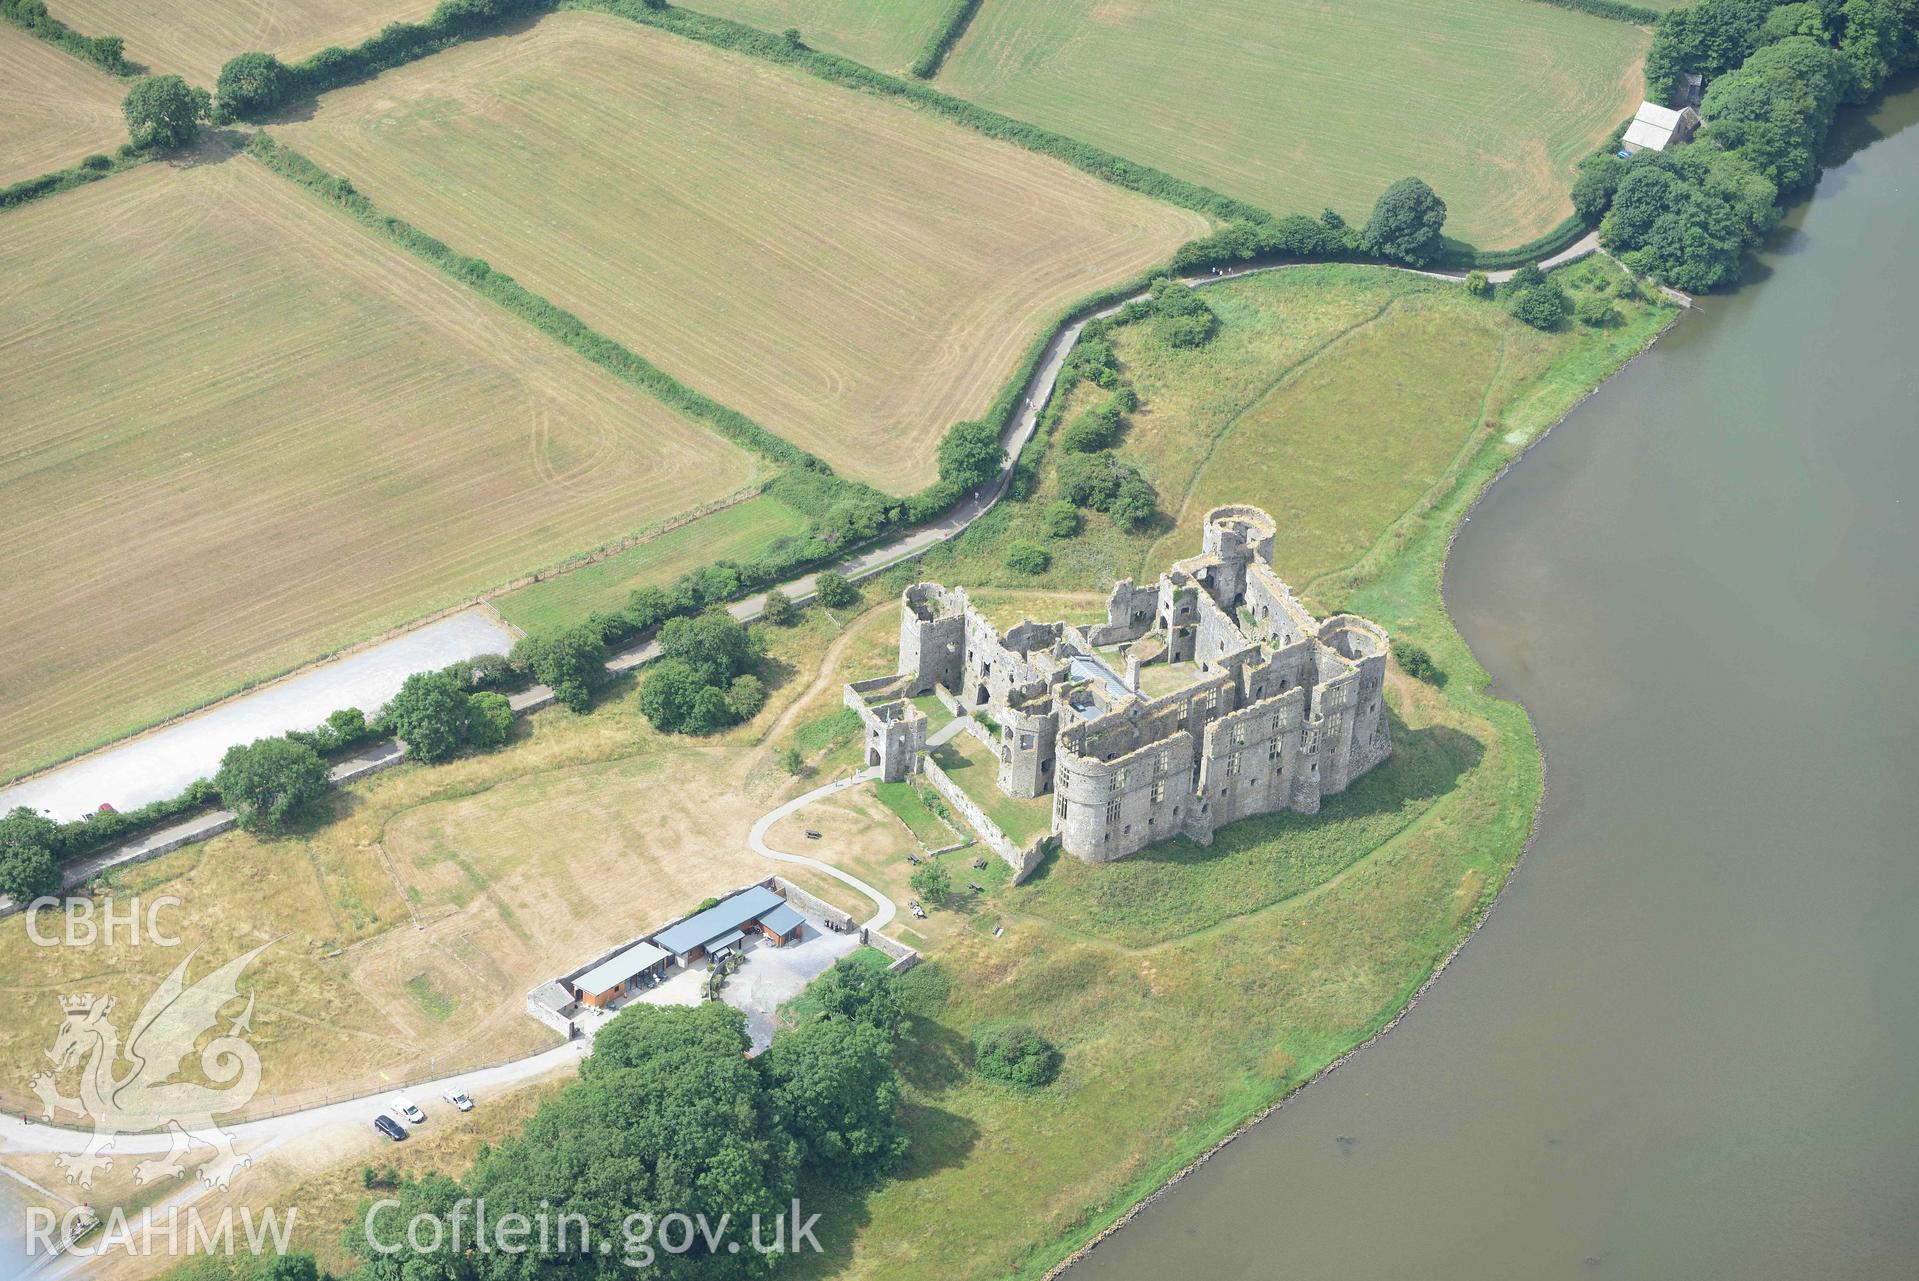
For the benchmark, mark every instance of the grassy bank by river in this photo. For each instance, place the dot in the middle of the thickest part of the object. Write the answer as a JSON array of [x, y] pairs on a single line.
[[1189, 988]]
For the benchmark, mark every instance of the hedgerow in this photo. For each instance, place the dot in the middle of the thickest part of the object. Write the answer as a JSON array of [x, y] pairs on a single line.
[[1634, 13], [92, 169], [726, 34], [252, 85], [1560, 238], [105, 52], [959, 15]]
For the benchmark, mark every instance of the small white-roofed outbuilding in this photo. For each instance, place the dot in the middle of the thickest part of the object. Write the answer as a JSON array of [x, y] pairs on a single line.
[[1654, 128]]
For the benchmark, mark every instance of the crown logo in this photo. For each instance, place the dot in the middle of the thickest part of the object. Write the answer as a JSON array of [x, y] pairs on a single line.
[[80, 1004]]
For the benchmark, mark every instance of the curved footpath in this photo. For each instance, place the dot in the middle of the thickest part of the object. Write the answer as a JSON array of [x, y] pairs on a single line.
[[19, 1134], [756, 839], [162, 762], [163, 743]]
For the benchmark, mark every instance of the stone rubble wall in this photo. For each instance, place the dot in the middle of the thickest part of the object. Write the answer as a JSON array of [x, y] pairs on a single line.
[[552, 1018], [807, 903], [904, 957], [1023, 862]]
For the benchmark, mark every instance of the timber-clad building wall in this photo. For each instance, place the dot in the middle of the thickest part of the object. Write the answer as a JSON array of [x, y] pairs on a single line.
[[1262, 707]]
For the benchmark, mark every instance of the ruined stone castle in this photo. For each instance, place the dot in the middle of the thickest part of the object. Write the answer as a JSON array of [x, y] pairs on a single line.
[[1204, 698]]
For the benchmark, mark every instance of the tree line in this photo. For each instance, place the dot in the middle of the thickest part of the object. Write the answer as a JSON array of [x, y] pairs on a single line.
[[1776, 76], [105, 52], [669, 1116]]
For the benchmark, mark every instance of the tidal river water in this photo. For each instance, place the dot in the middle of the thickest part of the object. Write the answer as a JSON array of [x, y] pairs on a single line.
[[1686, 1043]]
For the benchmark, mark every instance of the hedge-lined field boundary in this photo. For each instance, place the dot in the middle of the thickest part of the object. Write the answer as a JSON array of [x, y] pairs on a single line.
[[932, 55], [268, 84], [1564, 236], [724, 33], [92, 169], [1637, 14], [105, 52], [556, 322]]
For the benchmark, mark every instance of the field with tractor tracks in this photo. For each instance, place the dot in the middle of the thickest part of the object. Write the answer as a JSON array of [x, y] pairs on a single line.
[[1308, 105], [245, 433], [851, 273], [54, 108]]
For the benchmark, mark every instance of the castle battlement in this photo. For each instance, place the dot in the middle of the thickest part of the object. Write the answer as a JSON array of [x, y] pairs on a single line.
[[1207, 697]]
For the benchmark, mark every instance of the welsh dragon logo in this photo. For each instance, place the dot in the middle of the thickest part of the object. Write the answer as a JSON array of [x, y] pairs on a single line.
[[145, 1097]]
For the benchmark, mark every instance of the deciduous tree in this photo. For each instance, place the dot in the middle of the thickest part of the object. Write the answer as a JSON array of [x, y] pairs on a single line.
[[834, 1086], [164, 112], [269, 781], [429, 715], [1406, 222], [970, 455]]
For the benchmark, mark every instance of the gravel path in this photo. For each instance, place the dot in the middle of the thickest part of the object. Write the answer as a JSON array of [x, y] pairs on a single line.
[[757, 840], [164, 762]]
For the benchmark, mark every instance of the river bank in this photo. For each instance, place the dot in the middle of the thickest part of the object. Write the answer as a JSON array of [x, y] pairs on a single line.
[[1630, 1067], [1246, 1127]]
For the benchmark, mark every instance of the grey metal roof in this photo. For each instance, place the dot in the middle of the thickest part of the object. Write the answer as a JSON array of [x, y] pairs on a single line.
[[553, 996], [726, 940], [696, 931], [619, 967], [782, 919]]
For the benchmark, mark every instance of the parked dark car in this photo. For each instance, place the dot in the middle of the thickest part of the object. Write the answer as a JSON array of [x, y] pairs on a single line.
[[388, 1126]]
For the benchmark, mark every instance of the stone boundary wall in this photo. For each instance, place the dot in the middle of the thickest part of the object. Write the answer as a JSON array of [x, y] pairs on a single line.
[[971, 725], [949, 700], [527, 701], [805, 902], [904, 957], [156, 842], [1023, 862], [792, 893], [552, 1018], [360, 769]]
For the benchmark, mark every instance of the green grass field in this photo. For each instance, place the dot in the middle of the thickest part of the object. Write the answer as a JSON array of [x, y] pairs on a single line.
[[1296, 105], [853, 274], [970, 764], [243, 433], [1337, 397], [732, 533], [1190, 988], [886, 34]]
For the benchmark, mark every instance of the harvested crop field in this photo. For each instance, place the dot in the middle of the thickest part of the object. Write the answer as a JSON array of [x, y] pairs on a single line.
[[886, 34], [244, 433], [54, 108], [194, 37], [1307, 105], [851, 273]]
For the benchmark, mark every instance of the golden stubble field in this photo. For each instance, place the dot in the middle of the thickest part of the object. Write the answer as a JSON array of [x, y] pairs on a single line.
[[54, 108], [194, 37], [410, 918], [853, 274], [243, 433]]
